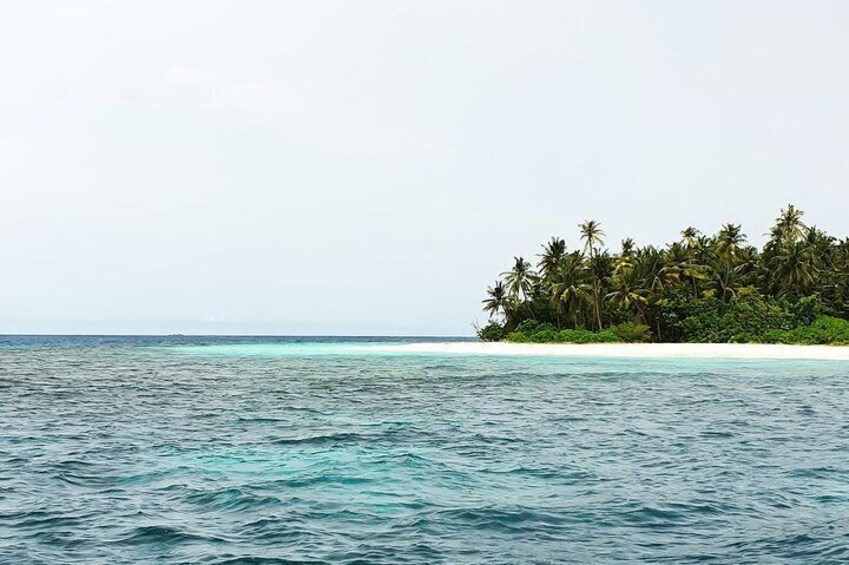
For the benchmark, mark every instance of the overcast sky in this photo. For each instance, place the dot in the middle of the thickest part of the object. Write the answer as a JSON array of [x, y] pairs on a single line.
[[369, 167]]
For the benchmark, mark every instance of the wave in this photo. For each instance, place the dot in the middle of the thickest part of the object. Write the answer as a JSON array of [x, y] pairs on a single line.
[[128, 453]]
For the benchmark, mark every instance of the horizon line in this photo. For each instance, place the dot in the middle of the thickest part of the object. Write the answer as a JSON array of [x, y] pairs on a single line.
[[223, 335]]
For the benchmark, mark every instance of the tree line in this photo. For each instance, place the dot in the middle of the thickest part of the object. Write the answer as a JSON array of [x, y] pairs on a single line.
[[698, 288]]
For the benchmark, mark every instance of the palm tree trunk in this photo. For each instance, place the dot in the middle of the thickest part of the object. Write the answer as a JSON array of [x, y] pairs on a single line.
[[531, 311], [598, 307]]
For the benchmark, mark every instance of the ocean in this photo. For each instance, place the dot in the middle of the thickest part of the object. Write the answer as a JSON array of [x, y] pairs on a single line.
[[339, 450]]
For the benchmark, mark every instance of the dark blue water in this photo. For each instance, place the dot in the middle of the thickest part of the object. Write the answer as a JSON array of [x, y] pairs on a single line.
[[262, 450]]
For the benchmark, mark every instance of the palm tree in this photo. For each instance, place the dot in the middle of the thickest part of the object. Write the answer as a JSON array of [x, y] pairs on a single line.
[[821, 246], [748, 263], [628, 246], [592, 236], [728, 242], [569, 294], [519, 279], [552, 254], [788, 227], [840, 264], [625, 260], [723, 282], [599, 268], [793, 269], [837, 278], [654, 270], [689, 237], [497, 301], [627, 294], [686, 266]]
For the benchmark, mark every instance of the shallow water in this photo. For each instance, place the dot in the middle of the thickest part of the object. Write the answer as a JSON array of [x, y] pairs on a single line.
[[215, 450]]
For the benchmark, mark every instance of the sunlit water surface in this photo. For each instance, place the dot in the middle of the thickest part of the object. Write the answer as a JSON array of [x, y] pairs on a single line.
[[217, 450]]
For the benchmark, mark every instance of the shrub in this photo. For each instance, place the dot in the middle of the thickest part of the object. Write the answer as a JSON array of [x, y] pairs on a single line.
[[606, 336], [527, 327], [748, 318], [775, 336], [491, 332], [574, 336], [545, 335], [586, 336], [824, 330], [806, 310], [517, 337], [631, 332]]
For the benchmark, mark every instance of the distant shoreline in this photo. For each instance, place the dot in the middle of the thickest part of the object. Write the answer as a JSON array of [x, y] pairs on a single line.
[[636, 350]]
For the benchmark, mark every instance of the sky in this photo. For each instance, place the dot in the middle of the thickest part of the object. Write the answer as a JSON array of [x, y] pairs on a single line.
[[369, 167]]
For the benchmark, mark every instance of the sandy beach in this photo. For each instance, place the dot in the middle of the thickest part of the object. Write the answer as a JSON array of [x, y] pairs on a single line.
[[641, 350]]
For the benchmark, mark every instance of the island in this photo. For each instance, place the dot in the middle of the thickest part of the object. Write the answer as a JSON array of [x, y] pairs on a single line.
[[698, 289]]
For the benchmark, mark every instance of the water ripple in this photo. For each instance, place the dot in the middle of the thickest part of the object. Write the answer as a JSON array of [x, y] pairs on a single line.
[[203, 450]]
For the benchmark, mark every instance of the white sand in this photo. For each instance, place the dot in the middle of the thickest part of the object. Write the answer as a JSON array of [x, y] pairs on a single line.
[[657, 350]]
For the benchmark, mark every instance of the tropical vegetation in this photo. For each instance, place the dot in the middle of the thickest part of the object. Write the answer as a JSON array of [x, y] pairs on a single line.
[[700, 288]]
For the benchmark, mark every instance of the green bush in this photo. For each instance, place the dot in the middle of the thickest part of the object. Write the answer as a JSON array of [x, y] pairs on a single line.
[[518, 337], [824, 330], [607, 336], [586, 336], [714, 321], [528, 327], [545, 335], [806, 310], [574, 336], [736, 323], [631, 332], [775, 336], [491, 332]]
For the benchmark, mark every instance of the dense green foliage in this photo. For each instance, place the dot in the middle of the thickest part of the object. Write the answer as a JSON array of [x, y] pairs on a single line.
[[531, 332], [698, 289], [824, 330]]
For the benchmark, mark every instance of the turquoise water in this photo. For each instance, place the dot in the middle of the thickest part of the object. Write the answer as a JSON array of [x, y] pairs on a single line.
[[259, 450]]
